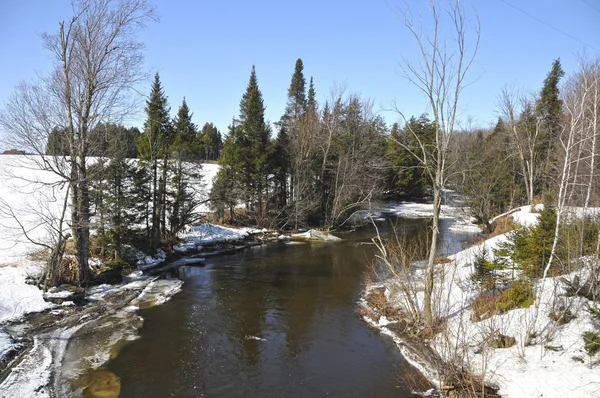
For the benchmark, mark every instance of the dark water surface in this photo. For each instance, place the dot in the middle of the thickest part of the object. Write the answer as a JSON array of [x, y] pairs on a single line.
[[273, 321]]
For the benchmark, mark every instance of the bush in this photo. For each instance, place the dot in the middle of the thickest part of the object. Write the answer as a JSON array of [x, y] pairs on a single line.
[[530, 248], [594, 311], [519, 295], [486, 271], [591, 342]]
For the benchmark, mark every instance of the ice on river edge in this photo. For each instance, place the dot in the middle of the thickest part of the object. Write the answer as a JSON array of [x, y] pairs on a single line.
[[32, 376]]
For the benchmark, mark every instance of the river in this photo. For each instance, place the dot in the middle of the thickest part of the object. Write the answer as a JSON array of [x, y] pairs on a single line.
[[274, 321]]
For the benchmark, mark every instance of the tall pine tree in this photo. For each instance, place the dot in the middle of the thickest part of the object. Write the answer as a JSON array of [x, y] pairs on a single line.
[[153, 146], [256, 135]]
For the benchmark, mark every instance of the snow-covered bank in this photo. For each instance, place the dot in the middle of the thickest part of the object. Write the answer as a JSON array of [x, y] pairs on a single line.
[[17, 298], [547, 359]]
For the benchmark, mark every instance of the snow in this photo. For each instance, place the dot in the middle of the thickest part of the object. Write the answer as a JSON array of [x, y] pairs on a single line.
[[35, 197], [420, 210], [17, 298], [316, 235], [530, 368], [208, 233]]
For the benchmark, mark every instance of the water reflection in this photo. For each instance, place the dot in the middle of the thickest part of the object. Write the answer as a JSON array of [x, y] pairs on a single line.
[[268, 322]]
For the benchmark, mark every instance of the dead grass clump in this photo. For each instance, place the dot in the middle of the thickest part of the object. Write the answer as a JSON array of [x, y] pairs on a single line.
[[39, 255], [503, 225], [484, 306], [561, 315], [442, 260], [460, 382], [69, 270], [376, 300]]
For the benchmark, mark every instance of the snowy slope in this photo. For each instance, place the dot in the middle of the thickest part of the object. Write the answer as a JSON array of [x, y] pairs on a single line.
[[551, 364]]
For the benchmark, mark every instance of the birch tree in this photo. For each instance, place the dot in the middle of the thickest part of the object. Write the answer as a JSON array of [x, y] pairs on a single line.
[[447, 49], [97, 60]]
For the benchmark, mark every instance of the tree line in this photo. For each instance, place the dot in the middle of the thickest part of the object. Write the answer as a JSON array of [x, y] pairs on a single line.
[[320, 163]]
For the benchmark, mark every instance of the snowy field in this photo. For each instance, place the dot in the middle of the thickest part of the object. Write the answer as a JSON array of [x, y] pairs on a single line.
[[31, 199], [548, 360]]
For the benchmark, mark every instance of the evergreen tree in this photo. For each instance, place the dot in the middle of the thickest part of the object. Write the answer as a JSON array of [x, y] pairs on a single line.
[[226, 189], [297, 91], [113, 198], [549, 106], [153, 145], [549, 111], [408, 178], [183, 151], [255, 135], [312, 95], [211, 142], [286, 161]]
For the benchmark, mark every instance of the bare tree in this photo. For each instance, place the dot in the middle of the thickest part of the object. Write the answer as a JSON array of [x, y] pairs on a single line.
[[97, 63], [524, 128], [440, 74]]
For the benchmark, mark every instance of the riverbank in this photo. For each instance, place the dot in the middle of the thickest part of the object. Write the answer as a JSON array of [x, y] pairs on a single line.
[[41, 343], [523, 352]]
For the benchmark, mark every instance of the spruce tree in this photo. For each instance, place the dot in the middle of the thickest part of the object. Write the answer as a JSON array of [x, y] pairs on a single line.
[[312, 95], [153, 146], [227, 187], [183, 151], [549, 106], [409, 179], [255, 135], [289, 126], [211, 142], [548, 110]]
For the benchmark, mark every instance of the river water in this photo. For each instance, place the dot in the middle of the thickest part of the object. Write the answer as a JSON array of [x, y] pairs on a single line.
[[273, 321]]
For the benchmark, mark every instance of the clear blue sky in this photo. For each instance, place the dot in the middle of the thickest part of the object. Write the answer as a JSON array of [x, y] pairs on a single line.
[[204, 50]]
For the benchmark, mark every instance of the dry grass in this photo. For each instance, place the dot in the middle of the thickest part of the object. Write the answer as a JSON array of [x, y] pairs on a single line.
[[485, 305], [39, 255], [503, 225], [376, 300]]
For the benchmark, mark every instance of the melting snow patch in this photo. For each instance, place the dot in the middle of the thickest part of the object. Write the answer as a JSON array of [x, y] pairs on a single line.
[[248, 337], [210, 233]]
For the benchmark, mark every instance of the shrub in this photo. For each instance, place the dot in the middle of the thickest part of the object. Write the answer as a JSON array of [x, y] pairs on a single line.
[[591, 342], [530, 248], [595, 312], [486, 271], [519, 295], [561, 315]]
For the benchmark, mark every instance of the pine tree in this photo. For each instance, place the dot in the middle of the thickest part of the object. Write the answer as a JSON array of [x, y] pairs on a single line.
[[153, 145], [211, 142], [255, 133], [409, 178], [312, 95], [184, 150], [549, 110]]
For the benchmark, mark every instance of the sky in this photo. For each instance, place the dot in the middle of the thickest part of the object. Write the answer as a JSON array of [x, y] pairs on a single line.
[[204, 50]]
